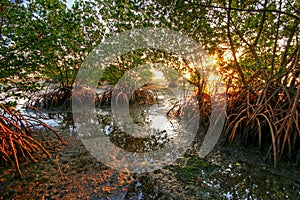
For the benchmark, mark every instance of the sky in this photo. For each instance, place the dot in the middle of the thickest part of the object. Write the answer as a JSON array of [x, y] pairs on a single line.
[[69, 3]]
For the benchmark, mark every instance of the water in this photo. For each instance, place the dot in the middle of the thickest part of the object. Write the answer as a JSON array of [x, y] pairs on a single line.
[[226, 173]]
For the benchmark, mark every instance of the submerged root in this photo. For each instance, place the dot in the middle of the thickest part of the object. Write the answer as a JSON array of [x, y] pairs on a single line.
[[15, 136], [125, 95], [196, 107], [61, 98], [271, 117]]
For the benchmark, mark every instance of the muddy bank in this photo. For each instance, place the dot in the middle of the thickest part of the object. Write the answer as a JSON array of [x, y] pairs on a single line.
[[226, 173]]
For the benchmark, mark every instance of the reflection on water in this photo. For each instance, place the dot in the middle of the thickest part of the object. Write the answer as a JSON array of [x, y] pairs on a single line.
[[137, 137], [145, 131], [159, 129], [220, 177]]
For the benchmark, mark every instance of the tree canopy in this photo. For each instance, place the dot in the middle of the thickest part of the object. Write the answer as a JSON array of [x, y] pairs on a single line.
[[46, 39], [255, 45]]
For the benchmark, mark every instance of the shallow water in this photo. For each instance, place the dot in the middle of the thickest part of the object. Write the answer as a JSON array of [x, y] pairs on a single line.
[[225, 173]]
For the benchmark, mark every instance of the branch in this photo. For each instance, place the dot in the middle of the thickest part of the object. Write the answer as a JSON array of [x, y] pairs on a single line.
[[233, 49], [284, 60], [249, 10], [275, 43], [251, 48], [262, 23]]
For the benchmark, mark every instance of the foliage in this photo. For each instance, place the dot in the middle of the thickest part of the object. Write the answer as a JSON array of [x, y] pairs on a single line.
[[45, 41], [268, 69], [256, 45], [40, 41]]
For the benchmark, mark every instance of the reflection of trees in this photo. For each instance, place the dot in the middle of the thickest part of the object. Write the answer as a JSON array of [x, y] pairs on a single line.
[[64, 119], [108, 127]]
